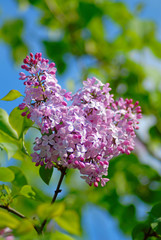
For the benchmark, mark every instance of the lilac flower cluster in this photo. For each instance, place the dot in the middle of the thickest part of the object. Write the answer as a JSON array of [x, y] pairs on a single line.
[[84, 135]]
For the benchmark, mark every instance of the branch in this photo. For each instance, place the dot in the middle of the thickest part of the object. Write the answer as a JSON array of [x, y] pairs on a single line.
[[58, 190], [148, 149], [15, 212], [151, 233], [12, 210]]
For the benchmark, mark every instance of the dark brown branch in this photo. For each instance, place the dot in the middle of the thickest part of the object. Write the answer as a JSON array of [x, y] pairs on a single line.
[[12, 210], [58, 190], [151, 233], [18, 214]]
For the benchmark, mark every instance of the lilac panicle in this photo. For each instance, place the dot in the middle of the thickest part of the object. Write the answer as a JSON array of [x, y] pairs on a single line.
[[84, 135]]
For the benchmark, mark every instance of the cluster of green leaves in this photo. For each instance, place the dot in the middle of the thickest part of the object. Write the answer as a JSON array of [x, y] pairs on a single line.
[[80, 28], [131, 184], [151, 228]]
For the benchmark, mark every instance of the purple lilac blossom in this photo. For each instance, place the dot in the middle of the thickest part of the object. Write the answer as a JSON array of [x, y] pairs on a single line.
[[84, 135]]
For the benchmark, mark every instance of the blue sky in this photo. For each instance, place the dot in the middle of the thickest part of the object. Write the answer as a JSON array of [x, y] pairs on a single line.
[[97, 223]]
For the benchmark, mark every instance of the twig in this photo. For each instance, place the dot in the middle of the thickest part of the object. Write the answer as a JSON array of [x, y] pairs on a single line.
[[15, 212], [12, 210], [58, 190], [148, 149]]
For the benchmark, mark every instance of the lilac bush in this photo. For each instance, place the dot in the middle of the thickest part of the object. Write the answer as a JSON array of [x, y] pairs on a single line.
[[81, 131]]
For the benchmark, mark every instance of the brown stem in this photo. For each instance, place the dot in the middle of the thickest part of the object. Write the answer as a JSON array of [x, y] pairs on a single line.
[[58, 190], [12, 210], [151, 233], [15, 212], [39, 229]]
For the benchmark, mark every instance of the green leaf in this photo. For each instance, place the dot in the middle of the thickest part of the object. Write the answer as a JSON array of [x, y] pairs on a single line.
[[7, 220], [118, 12], [12, 30], [10, 148], [157, 228], [69, 221], [155, 216], [8, 143], [5, 125], [8, 136], [18, 122], [60, 236], [87, 11], [20, 179], [24, 227], [45, 174], [154, 225], [48, 210], [7, 189], [156, 211], [12, 95], [5, 195], [140, 230], [21, 155], [60, 48], [96, 29], [6, 175], [27, 191], [19, 51]]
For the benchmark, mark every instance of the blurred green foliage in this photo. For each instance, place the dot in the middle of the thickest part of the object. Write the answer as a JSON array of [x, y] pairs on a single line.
[[83, 32]]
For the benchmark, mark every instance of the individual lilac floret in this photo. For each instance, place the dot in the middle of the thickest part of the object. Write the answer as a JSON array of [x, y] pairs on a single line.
[[84, 135]]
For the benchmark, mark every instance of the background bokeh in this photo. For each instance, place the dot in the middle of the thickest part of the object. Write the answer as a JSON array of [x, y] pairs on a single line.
[[118, 42]]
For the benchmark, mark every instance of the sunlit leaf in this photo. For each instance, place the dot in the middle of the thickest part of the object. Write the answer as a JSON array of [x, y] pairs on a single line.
[[27, 191], [59, 236], [69, 221], [10, 148], [6, 174], [20, 178], [7, 220], [5, 195], [24, 228], [18, 122], [4, 124], [10, 144], [21, 155], [156, 226], [12, 95], [47, 210]]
